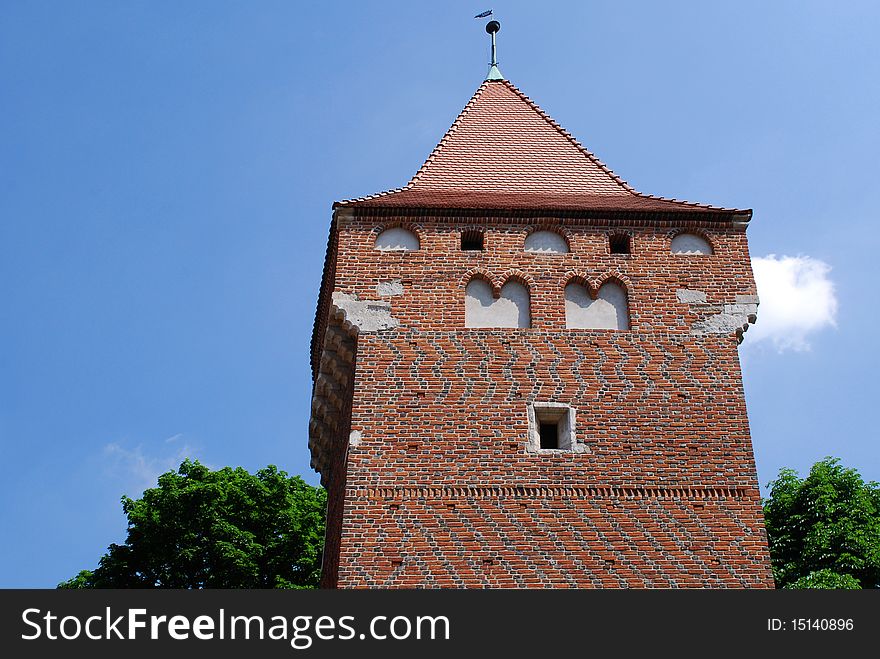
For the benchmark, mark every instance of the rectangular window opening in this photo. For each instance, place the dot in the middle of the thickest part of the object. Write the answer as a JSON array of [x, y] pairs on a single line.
[[619, 243], [551, 427], [472, 240]]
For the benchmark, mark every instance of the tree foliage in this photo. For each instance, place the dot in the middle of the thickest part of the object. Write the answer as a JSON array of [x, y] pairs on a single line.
[[825, 580], [824, 530], [217, 529]]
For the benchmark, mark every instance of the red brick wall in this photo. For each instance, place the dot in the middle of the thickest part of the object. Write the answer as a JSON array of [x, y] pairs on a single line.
[[434, 277], [440, 490]]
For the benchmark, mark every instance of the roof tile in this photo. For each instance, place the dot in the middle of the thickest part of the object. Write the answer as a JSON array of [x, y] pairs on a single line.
[[504, 152]]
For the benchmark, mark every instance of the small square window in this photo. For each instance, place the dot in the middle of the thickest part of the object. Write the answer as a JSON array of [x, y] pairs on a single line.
[[472, 240], [619, 243], [552, 428]]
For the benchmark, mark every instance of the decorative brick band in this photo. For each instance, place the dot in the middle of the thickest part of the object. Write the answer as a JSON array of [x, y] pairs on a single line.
[[541, 492], [603, 218]]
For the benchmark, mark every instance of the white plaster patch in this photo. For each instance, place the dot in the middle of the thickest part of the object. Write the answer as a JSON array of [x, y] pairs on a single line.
[[354, 437], [732, 318], [389, 288], [546, 242], [366, 315], [610, 309], [690, 297], [397, 239], [482, 309]]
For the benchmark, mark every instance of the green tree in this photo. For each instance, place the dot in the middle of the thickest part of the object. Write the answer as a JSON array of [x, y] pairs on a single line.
[[824, 530], [217, 529], [825, 580]]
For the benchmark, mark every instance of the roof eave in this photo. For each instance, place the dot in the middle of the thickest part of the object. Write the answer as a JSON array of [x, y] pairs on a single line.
[[736, 217]]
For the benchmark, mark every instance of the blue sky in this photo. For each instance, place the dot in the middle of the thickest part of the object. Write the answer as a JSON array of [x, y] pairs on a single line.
[[167, 171]]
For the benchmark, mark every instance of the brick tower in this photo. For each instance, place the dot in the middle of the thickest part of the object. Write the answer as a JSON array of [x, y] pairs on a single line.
[[526, 374]]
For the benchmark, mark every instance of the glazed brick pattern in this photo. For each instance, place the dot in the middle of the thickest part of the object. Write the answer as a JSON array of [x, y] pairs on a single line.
[[552, 541], [440, 490], [450, 408]]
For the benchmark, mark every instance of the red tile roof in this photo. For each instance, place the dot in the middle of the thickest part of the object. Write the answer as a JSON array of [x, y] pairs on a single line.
[[504, 152]]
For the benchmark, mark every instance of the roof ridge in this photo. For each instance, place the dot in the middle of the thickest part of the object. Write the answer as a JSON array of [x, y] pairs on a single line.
[[605, 168], [449, 133], [571, 138]]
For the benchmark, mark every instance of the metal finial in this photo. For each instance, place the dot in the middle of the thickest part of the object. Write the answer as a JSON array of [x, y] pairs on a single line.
[[492, 28]]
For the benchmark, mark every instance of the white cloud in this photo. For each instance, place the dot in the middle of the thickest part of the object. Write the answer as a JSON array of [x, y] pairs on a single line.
[[137, 469], [797, 300]]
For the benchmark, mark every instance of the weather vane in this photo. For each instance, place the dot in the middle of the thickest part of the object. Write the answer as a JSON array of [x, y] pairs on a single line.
[[492, 28]]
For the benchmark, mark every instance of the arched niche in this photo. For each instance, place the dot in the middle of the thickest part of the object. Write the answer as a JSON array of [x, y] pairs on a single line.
[[397, 239], [546, 242], [610, 309], [510, 309], [690, 243]]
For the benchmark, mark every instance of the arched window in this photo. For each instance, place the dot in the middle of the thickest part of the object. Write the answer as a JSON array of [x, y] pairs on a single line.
[[546, 242], [610, 309], [397, 239], [690, 243], [510, 309]]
